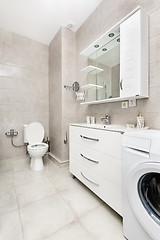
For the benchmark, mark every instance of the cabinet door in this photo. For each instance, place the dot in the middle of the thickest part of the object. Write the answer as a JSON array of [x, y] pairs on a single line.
[[107, 142], [134, 56]]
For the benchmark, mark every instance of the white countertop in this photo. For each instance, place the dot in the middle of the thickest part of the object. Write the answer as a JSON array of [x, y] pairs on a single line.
[[110, 127]]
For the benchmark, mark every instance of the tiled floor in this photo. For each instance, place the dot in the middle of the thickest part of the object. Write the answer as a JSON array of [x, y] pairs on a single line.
[[51, 205]]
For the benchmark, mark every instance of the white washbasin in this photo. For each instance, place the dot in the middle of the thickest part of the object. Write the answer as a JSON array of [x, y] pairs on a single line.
[[109, 127]]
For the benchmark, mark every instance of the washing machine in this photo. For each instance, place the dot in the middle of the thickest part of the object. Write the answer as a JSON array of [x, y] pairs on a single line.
[[141, 185]]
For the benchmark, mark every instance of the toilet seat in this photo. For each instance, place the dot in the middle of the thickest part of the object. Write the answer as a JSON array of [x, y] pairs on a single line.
[[35, 133], [37, 146]]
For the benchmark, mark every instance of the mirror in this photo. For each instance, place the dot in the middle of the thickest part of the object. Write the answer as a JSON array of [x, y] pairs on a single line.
[[75, 86], [106, 71]]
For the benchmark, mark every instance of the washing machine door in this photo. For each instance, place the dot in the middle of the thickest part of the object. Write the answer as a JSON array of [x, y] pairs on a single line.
[[143, 191]]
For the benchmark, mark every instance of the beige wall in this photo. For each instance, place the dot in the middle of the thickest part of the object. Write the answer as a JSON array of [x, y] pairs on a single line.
[[61, 100], [103, 18], [68, 77], [23, 88], [55, 94], [24, 78]]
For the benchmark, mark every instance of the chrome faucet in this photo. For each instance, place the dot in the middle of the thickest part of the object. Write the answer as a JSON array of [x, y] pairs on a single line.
[[106, 119]]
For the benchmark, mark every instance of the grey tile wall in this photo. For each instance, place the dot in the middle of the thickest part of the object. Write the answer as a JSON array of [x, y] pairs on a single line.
[[23, 88], [61, 100], [55, 94], [103, 18]]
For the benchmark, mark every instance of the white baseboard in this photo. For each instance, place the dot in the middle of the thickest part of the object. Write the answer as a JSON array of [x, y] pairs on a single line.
[[58, 161]]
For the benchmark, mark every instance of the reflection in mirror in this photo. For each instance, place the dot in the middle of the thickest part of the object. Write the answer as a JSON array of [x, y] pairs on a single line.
[[92, 78], [107, 73]]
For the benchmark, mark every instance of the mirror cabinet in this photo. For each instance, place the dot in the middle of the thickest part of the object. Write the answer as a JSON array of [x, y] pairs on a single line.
[[118, 62]]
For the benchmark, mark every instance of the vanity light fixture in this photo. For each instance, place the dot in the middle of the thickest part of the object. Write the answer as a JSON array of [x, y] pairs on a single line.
[[111, 35], [96, 46], [118, 40], [104, 49]]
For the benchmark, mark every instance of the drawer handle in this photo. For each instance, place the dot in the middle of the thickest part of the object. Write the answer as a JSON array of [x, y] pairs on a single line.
[[89, 159], [88, 138], [89, 180]]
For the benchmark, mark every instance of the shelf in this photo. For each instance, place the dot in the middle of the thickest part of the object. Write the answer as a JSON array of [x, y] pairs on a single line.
[[118, 99], [92, 69], [90, 85]]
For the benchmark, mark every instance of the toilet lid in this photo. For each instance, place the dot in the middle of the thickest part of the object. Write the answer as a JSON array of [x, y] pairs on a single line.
[[35, 133]]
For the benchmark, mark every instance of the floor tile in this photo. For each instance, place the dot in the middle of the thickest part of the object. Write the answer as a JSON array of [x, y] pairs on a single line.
[[81, 199], [52, 204], [71, 231], [64, 181], [27, 176], [8, 201], [104, 223], [10, 227], [33, 191], [50, 168], [21, 164], [6, 180], [6, 165], [42, 218]]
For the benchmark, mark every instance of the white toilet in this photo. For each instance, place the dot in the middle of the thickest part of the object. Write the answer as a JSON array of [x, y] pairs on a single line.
[[34, 134]]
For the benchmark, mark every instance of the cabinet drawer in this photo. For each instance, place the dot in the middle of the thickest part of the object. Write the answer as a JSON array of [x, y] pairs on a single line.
[[103, 141], [88, 177], [103, 188], [100, 163], [111, 194]]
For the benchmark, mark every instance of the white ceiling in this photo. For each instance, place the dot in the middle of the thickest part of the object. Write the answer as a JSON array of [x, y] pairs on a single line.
[[41, 19]]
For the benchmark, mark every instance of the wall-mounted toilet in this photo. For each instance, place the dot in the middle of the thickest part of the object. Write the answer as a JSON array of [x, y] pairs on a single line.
[[33, 135]]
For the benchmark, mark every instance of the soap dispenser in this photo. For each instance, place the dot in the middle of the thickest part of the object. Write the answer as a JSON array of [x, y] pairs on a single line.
[[140, 121]]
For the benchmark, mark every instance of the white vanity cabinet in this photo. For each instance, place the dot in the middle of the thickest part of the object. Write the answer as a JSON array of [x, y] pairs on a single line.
[[95, 159], [134, 56]]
